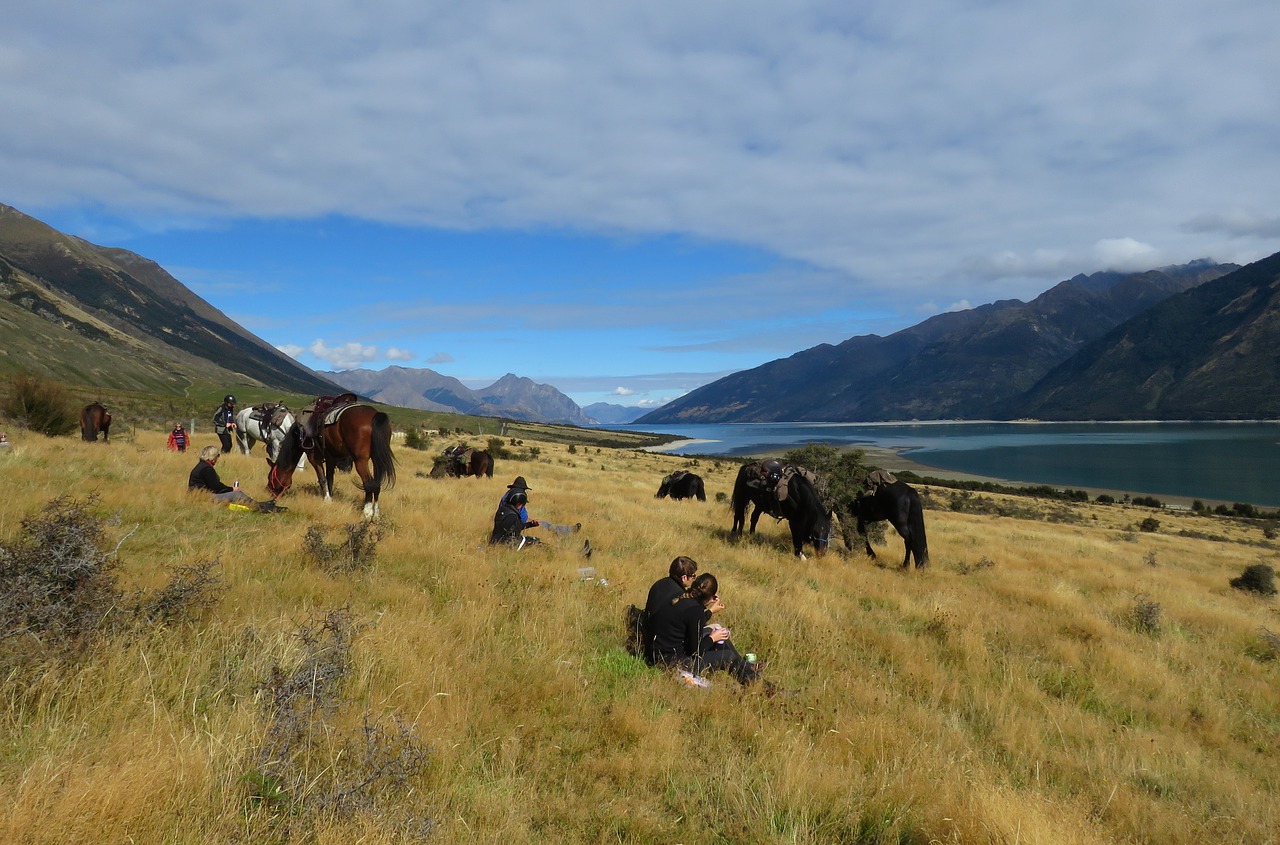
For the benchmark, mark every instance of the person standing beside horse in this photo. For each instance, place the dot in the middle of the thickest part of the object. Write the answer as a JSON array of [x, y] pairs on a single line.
[[224, 421], [178, 439]]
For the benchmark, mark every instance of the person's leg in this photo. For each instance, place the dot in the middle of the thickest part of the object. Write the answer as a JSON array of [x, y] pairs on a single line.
[[727, 658], [237, 496], [560, 529], [225, 437]]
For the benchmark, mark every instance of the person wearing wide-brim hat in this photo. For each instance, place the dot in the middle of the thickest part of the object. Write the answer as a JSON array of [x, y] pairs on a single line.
[[522, 487], [517, 496]]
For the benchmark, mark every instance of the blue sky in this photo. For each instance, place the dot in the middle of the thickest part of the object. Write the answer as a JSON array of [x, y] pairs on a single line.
[[628, 200]]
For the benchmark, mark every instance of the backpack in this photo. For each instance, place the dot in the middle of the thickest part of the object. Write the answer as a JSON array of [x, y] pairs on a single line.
[[507, 525], [637, 625]]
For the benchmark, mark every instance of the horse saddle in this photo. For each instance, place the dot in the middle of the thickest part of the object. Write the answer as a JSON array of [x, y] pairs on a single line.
[[879, 477], [270, 414]]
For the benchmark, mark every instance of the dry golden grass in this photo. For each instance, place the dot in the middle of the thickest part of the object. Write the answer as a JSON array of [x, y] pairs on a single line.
[[1004, 695]]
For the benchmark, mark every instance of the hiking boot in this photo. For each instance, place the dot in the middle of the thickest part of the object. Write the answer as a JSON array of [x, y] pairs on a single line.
[[586, 549]]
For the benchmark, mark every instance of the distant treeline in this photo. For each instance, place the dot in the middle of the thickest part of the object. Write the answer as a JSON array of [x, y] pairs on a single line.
[[1044, 491]]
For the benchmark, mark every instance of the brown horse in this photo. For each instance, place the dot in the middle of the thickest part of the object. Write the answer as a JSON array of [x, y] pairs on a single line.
[[95, 418], [359, 437]]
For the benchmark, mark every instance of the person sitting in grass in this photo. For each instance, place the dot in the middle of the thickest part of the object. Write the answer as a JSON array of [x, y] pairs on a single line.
[[205, 477], [662, 594], [683, 639]]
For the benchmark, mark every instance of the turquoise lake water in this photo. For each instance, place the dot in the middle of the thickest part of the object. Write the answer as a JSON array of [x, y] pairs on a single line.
[[1230, 462]]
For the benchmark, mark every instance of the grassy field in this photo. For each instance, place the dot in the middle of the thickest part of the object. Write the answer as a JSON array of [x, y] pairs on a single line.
[[1056, 676]]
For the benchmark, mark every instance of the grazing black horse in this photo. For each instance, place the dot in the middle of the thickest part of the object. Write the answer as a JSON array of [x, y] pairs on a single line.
[[900, 504], [783, 492], [682, 485], [95, 418]]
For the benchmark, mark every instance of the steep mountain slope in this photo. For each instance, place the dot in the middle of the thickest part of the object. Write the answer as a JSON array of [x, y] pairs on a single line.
[[1209, 353], [959, 365], [102, 316]]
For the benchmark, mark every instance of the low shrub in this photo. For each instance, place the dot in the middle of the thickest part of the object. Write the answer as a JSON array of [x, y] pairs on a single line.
[[58, 585], [353, 554], [40, 405], [1257, 578]]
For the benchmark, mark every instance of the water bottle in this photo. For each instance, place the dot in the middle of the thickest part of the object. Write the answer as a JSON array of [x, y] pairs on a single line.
[[235, 485]]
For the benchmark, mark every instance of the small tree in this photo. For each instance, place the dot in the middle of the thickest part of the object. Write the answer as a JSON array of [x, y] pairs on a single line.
[[40, 405]]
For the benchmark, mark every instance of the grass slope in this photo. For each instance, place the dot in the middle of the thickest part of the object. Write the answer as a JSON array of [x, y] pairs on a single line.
[[1007, 694]]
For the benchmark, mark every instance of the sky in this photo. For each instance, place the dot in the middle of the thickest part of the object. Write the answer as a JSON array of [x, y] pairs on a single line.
[[630, 200]]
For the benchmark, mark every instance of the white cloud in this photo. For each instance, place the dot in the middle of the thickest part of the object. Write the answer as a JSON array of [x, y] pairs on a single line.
[[395, 354], [292, 350], [441, 358], [623, 391], [1126, 254], [345, 356], [962, 305]]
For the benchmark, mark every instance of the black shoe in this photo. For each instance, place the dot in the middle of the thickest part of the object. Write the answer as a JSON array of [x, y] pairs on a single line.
[[586, 549]]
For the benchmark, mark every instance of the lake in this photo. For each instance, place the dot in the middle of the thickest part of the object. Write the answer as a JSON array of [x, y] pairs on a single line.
[[1227, 462]]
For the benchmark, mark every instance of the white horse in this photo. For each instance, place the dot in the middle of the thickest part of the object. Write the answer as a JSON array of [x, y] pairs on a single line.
[[251, 427]]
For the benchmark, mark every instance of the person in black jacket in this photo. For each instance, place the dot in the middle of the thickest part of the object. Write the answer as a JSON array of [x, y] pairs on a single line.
[[511, 519], [205, 477], [224, 421], [664, 592], [683, 639]]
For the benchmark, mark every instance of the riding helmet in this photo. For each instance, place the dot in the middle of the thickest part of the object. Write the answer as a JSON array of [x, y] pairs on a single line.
[[229, 399]]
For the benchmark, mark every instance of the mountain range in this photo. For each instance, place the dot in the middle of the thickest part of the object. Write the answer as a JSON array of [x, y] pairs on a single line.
[[510, 396], [1194, 341]]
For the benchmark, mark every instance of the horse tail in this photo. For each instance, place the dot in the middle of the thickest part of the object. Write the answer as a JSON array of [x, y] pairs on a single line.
[[488, 465], [88, 424], [384, 463], [919, 543], [699, 489], [740, 500]]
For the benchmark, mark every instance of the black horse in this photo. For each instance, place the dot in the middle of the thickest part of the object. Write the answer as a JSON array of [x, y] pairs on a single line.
[[783, 492], [682, 485], [93, 419], [900, 504]]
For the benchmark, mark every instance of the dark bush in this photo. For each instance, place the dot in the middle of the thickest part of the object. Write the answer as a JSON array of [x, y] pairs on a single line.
[[191, 591], [57, 584], [1148, 501], [353, 554], [40, 405], [306, 769], [1149, 525], [1105, 499], [1257, 578], [415, 439]]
